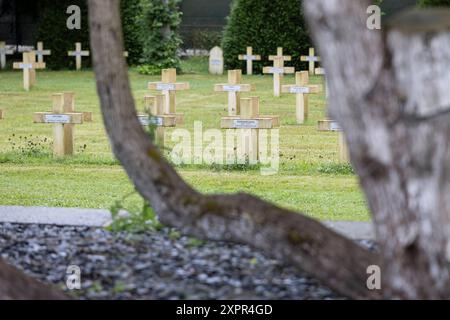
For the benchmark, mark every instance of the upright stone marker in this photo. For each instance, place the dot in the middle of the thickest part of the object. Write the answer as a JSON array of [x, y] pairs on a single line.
[[3, 53], [216, 61], [248, 122], [234, 88], [278, 70], [312, 59], [63, 119], [301, 89], [249, 57], [40, 52], [78, 54], [29, 66], [154, 107], [169, 87]]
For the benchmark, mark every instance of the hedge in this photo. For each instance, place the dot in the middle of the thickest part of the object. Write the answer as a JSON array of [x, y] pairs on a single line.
[[265, 25], [434, 3], [56, 37]]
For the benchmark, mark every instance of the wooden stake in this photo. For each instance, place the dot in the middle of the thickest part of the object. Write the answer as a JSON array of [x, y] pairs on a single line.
[[344, 155], [249, 57], [1, 114]]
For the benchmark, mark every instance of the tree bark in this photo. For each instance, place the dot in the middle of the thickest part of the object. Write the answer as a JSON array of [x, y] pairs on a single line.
[[390, 92], [283, 234], [14, 285]]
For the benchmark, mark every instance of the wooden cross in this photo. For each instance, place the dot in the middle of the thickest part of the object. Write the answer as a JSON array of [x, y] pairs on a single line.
[[301, 89], [3, 52], [63, 117], [278, 70], [312, 59], [332, 125], [29, 66], [40, 52], [78, 54], [234, 87], [249, 57], [155, 115], [249, 121], [69, 99], [168, 87]]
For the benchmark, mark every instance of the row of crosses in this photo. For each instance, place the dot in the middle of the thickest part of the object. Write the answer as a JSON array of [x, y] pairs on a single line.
[[249, 57], [78, 53]]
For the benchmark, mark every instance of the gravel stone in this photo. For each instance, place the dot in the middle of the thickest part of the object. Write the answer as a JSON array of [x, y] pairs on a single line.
[[151, 265]]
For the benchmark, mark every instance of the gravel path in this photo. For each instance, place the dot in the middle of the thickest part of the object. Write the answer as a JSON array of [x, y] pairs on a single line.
[[154, 265]]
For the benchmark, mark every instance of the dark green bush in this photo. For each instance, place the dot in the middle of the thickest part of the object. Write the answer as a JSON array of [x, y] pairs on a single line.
[[265, 25], [434, 3], [160, 37], [56, 37]]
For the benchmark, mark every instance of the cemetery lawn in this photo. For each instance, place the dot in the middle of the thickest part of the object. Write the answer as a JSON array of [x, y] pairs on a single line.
[[310, 178]]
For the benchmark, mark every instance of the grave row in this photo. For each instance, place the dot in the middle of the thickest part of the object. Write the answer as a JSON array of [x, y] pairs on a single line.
[[216, 60], [243, 113], [40, 53]]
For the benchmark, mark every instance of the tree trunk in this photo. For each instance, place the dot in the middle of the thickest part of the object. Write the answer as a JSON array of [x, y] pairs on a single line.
[[390, 91], [286, 235], [14, 285]]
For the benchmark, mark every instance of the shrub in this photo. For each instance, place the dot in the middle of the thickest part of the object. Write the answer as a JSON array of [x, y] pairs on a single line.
[[434, 3], [265, 25], [161, 40]]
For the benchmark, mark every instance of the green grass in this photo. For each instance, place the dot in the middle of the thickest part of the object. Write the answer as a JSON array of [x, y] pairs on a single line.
[[310, 178]]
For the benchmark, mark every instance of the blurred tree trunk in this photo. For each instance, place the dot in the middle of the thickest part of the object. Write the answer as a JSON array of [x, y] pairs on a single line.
[[390, 91], [14, 285]]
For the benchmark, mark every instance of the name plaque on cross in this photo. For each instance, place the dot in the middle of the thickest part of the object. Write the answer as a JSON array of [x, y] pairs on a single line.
[[245, 124], [147, 121], [165, 87], [231, 88], [334, 126], [315, 59], [299, 90], [248, 57], [56, 118], [276, 70], [25, 65]]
